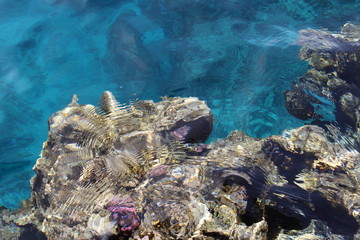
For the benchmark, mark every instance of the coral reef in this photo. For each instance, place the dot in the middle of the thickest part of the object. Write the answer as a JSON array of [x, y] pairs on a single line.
[[332, 81], [142, 171]]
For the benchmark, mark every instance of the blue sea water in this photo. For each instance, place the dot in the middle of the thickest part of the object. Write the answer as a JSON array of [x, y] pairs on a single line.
[[239, 56]]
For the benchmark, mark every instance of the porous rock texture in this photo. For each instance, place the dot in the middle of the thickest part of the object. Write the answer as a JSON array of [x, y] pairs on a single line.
[[143, 171], [332, 82]]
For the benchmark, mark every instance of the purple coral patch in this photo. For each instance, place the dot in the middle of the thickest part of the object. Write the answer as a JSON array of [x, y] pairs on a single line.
[[124, 213], [181, 132], [158, 171], [192, 132]]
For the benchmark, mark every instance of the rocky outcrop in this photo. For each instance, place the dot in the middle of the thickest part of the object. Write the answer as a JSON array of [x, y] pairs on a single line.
[[143, 171], [329, 91]]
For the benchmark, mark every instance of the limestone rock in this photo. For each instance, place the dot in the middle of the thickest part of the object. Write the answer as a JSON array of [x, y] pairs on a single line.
[[332, 81], [143, 171]]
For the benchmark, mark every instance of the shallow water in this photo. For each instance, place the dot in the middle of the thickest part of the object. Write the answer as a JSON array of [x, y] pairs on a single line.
[[238, 56]]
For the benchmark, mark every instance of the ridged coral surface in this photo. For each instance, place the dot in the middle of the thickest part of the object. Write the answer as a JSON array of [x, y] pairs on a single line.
[[142, 171]]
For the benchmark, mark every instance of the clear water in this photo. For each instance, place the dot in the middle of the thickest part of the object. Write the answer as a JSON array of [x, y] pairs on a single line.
[[239, 56]]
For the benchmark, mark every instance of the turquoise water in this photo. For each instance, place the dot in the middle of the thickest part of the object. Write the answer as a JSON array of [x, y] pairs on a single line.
[[238, 56]]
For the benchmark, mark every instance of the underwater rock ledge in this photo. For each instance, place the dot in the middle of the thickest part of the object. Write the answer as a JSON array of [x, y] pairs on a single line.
[[143, 171], [332, 83]]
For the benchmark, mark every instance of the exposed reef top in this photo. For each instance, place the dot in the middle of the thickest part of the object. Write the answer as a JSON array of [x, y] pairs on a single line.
[[143, 171]]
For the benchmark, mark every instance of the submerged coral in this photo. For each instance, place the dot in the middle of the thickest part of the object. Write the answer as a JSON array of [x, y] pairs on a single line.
[[142, 171], [332, 83], [124, 214]]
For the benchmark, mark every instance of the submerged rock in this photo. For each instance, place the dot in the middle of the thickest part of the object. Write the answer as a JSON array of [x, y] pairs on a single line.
[[142, 171], [331, 85]]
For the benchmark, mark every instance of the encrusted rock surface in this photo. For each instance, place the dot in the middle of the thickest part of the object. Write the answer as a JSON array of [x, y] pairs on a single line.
[[142, 171], [332, 82]]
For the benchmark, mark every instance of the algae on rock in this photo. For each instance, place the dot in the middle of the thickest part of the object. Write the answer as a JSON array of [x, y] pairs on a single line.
[[143, 171]]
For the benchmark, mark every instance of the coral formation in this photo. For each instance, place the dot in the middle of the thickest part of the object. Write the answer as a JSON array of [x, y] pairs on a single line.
[[141, 171], [124, 214], [332, 81]]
